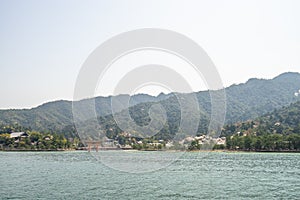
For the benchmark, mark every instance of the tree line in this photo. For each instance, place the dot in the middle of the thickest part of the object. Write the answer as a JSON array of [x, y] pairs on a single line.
[[267, 142], [34, 140]]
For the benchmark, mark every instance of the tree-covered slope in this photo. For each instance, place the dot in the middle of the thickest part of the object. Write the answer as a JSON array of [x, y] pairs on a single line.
[[167, 131], [259, 96], [256, 97], [284, 121], [275, 131], [245, 101], [57, 116]]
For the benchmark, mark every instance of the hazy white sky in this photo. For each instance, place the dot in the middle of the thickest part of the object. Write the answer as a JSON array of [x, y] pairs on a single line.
[[44, 43]]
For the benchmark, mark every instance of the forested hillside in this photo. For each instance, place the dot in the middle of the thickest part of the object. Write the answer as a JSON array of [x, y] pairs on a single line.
[[278, 130], [282, 121], [245, 101], [57, 116]]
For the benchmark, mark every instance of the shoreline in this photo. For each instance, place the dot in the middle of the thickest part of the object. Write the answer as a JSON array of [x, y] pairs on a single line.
[[134, 150], [37, 150]]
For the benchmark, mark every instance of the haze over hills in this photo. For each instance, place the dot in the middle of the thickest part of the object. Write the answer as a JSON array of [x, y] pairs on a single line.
[[245, 101]]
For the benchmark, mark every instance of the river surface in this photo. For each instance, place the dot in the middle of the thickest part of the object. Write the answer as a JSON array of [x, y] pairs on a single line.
[[193, 175]]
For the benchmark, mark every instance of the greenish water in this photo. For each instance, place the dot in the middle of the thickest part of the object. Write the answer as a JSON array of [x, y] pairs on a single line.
[[78, 175]]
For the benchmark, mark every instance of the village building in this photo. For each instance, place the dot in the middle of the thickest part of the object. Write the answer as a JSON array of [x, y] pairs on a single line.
[[18, 135]]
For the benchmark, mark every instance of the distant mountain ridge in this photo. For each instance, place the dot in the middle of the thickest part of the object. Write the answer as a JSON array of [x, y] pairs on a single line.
[[245, 101], [259, 96], [56, 116]]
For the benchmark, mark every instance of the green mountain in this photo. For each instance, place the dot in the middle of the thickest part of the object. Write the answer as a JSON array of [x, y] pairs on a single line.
[[166, 130], [285, 120], [245, 101], [259, 96], [57, 116], [276, 131]]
